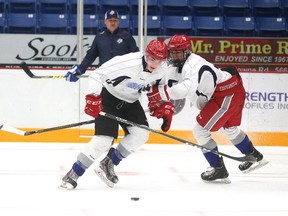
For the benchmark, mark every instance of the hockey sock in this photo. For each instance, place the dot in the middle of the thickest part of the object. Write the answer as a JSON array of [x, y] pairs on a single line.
[[245, 146], [212, 159], [115, 156], [78, 168]]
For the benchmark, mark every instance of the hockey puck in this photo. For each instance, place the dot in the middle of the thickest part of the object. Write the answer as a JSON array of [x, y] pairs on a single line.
[[135, 198]]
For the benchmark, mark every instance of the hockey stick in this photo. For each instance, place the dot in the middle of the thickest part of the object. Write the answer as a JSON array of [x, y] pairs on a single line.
[[10, 129], [14, 130], [27, 133], [248, 158], [26, 69]]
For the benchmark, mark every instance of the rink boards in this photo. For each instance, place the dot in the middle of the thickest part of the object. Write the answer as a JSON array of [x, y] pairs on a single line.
[[84, 135], [32, 104]]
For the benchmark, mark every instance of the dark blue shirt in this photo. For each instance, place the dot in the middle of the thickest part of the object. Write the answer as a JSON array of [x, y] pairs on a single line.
[[107, 45]]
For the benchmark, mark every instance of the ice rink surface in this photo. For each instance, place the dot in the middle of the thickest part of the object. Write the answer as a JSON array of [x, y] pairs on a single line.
[[166, 178]]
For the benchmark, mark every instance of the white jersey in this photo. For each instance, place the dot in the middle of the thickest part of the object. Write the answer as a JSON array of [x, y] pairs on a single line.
[[124, 77], [197, 81]]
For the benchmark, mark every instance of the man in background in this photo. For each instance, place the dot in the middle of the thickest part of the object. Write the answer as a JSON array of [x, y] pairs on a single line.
[[112, 41]]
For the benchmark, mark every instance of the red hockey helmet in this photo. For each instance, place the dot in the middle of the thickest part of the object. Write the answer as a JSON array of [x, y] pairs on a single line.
[[157, 49], [179, 42]]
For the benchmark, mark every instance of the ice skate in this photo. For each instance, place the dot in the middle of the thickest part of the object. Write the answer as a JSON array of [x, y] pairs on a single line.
[[247, 167], [216, 174], [69, 181], [106, 173]]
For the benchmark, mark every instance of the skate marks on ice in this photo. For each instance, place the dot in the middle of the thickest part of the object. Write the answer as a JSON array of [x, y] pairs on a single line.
[[165, 178]]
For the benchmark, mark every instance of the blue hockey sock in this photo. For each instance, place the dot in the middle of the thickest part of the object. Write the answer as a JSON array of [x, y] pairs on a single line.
[[78, 168], [212, 159], [245, 146], [115, 156]]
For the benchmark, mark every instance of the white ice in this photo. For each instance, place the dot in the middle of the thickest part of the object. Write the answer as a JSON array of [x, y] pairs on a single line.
[[166, 178]]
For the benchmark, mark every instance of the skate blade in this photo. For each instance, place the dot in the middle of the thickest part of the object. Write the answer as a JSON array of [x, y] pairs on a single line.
[[66, 186], [102, 176], [219, 181], [256, 166]]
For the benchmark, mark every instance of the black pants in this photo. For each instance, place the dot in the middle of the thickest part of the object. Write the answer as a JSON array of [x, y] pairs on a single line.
[[114, 106]]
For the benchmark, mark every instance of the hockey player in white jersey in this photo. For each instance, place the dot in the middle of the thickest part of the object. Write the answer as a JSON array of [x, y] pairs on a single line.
[[218, 94], [115, 88]]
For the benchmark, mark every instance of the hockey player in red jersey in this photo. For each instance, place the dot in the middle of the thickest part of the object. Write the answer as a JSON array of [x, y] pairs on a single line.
[[115, 88], [218, 94]]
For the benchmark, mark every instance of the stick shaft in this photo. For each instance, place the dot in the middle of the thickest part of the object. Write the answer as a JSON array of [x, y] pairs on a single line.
[[245, 158], [27, 133], [59, 127], [26, 69], [10, 129]]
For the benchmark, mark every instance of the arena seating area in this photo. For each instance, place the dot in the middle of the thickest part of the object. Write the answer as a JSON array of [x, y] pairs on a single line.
[[245, 18]]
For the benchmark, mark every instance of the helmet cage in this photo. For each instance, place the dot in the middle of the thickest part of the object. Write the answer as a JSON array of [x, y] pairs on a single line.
[[179, 42], [177, 62]]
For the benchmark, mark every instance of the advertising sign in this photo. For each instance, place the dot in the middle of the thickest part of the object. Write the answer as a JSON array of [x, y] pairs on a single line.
[[247, 54], [41, 50]]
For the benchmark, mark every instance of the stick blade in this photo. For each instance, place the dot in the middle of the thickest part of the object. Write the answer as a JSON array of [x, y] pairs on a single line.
[[13, 130], [27, 70]]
